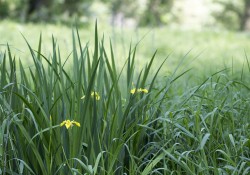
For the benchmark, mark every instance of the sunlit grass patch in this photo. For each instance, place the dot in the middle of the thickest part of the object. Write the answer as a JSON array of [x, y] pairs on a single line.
[[208, 50]]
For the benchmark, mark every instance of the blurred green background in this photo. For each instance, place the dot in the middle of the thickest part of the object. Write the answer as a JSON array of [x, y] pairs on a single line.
[[233, 15]]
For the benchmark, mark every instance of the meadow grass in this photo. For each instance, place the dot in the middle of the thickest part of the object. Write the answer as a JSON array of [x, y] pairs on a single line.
[[206, 50], [85, 114]]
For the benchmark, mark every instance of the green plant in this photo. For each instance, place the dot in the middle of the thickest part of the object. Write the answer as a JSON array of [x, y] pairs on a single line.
[[92, 118], [35, 101]]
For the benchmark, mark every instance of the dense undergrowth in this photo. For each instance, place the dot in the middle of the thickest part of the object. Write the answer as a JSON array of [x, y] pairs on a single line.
[[93, 118]]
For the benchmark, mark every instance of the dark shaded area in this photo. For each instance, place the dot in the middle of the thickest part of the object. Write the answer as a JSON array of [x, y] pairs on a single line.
[[34, 5], [43, 10], [245, 24]]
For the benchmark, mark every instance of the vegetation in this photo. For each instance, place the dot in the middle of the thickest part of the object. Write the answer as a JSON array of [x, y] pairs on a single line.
[[233, 15], [66, 10], [96, 117], [205, 51]]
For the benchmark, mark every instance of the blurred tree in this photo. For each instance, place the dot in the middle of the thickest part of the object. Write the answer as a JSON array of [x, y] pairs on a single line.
[[234, 14], [121, 9], [145, 12], [76, 8], [34, 5], [245, 22], [39, 10], [4, 8], [44, 10], [156, 9]]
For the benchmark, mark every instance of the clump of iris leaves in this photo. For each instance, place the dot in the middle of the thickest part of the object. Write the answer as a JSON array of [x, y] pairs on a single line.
[[201, 129]]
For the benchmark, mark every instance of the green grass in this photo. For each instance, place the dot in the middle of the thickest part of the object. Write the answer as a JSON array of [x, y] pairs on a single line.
[[189, 122], [205, 50]]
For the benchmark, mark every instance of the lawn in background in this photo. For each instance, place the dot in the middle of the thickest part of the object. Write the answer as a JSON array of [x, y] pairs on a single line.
[[205, 50]]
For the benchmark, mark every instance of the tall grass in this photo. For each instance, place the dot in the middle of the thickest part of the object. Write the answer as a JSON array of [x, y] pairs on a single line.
[[130, 121]]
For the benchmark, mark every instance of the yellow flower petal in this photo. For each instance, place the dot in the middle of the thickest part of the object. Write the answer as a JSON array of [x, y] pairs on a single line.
[[138, 90], [68, 124], [144, 90], [93, 94], [76, 123], [63, 123], [96, 95], [133, 91]]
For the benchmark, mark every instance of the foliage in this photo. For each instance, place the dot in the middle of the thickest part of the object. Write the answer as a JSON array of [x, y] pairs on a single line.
[[65, 10], [4, 6], [118, 120], [156, 9], [127, 7], [44, 10], [203, 54], [233, 14], [47, 97]]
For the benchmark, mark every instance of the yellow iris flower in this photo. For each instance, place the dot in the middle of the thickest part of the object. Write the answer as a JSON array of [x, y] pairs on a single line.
[[134, 90], [96, 95], [93, 94], [68, 124], [143, 90]]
